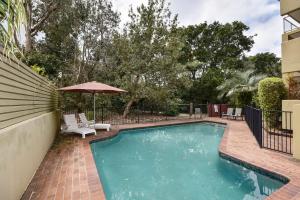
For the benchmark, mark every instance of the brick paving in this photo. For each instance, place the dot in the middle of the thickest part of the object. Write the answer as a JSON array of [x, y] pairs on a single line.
[[68, 170]]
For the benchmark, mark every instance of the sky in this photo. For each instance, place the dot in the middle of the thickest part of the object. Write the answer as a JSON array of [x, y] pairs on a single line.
[[262, 16]]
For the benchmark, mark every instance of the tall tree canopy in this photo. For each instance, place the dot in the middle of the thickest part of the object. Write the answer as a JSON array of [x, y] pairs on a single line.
[[210, 52], [147, 52], [266, 63]]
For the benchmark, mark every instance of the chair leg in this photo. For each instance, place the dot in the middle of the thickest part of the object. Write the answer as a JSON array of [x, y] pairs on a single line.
[[83, 136]]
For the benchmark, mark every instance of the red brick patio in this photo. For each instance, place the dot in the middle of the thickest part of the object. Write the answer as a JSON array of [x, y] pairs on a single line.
[[68, 171]]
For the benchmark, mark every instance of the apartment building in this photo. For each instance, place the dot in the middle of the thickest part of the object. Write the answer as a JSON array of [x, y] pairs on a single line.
[[290, 10], [290, 48]]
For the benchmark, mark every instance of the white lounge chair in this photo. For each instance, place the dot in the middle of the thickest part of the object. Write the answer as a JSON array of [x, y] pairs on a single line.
[[91, 124], [238, 113], [72, 126], [229, 112]]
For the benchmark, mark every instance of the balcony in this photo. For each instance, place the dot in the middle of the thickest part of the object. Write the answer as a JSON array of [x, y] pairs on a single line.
[[290, 51], [291, 8]]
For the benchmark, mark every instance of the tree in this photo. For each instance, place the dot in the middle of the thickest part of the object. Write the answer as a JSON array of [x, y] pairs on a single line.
[[12, 16], [37, 12], [147, 53], [240, 81], [215, 45], [58, 49], [266, 63], [210, 53], [77, 41], [98, 26]]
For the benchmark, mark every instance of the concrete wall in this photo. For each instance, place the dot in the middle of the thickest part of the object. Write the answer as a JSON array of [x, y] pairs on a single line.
[[287, 105], [296, 131], [288, 6], [22, 149], [290, 53], [287, 119]]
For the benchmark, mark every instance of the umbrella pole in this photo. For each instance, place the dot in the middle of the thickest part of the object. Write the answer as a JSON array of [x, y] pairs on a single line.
[[94, 108]]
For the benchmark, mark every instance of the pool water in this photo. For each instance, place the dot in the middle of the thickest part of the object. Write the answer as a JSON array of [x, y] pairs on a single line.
[[174, 162]]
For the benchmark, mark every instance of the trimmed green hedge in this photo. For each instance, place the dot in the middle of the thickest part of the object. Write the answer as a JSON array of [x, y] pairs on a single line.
[[271, 91]]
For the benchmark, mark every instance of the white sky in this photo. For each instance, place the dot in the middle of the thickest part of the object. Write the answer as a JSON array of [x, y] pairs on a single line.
[[262, 16]]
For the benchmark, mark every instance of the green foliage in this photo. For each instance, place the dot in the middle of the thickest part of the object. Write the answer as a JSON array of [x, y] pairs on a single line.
[[172, 107], [242, 99], [147, 53], [240, 82], [271, 91], [203, 89], [152, 58], [215, 45], [267, 64], [12, 17], [210, 53], [39, 70], [255, 100]]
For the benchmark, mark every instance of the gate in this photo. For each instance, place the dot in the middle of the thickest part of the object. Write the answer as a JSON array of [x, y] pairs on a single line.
[[272, 129]]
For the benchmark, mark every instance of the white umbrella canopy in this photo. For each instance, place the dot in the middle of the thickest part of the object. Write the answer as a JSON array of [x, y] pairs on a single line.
[[93, 87]]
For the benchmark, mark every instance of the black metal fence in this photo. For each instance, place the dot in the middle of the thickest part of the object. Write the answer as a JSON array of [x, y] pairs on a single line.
[[253, 118], [141, 113], [278, 133], [272, 129]]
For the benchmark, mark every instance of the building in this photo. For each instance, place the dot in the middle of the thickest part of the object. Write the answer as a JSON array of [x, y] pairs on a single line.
[[290, 48], [290, 10]]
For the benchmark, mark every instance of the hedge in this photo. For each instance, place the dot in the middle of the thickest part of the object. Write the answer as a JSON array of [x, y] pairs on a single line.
[[271, 92]]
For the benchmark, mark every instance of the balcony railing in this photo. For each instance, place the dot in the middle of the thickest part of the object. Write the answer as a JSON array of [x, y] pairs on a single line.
[[289, 24]]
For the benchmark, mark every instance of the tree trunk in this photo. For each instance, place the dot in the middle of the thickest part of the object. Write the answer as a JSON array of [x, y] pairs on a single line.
[[31, 29], [28, 39], [128, 106]]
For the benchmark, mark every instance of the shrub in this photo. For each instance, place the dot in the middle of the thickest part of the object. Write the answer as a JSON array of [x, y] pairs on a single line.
[[255, 100], [172, 110], [271, 91], [243, 99]]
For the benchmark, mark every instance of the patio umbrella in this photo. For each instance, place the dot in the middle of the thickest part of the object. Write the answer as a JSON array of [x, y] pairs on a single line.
[[92, 87]]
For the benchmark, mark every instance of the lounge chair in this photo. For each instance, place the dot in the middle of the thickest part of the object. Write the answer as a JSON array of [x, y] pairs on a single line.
[[91, 124], [72, 126], [238, 113], [229, 113]]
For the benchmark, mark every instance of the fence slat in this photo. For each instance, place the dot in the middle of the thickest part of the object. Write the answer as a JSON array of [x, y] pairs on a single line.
[[23, 93]]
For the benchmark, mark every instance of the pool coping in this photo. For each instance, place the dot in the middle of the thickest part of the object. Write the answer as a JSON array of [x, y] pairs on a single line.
[[223, 153]]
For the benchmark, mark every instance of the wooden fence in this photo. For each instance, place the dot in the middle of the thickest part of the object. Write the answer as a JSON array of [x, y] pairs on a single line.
[[24, 94]]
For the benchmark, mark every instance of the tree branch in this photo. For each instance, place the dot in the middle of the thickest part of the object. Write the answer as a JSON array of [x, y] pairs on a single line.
[[51, 8]]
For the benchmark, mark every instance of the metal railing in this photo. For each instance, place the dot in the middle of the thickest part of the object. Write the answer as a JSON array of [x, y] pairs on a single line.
[[253, 118], [288, 25], [272, 129], [141, 113], [277, 131]]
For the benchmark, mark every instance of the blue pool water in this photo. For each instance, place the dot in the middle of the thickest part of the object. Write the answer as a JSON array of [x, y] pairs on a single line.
[[174, 162]]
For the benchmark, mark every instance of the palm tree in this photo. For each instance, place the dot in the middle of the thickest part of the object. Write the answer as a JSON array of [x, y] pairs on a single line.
[[241, 81], [12, 16]]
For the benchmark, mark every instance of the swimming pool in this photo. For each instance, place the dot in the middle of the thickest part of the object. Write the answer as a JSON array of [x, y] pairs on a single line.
[[174, 162]]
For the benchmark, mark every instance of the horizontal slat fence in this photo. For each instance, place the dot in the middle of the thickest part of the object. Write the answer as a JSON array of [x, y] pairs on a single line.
[[24, 94]]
